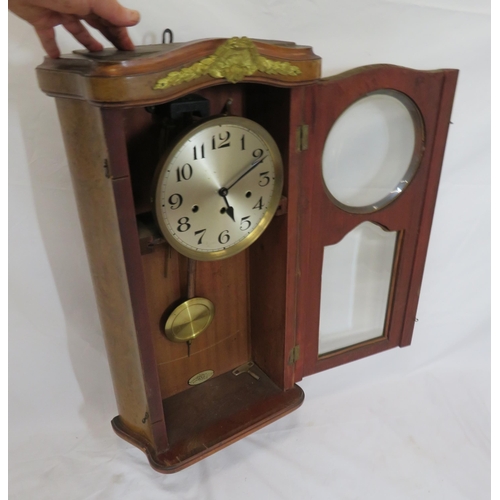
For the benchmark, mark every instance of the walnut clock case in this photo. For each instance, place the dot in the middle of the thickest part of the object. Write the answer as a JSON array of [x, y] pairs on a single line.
[[228, 261]]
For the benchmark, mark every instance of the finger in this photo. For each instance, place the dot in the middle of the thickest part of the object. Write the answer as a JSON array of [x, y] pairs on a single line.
[[69, 7], [110, 10], [47, 37], [119, 37], [78, 30], [115, 14]]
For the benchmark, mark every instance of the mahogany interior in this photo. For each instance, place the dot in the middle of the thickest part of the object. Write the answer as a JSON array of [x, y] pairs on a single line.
[[249, 321]]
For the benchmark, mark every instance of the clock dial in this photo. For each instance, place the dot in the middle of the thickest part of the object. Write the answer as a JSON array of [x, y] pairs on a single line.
[[218, 188]]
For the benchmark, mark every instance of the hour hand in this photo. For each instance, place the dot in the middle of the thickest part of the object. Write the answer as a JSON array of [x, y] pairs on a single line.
[[229, 209]]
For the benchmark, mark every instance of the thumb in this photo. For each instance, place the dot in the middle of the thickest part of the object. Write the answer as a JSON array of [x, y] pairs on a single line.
[[115, 14]]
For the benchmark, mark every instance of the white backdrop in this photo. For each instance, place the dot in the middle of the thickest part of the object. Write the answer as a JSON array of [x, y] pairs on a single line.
[[408, 424]]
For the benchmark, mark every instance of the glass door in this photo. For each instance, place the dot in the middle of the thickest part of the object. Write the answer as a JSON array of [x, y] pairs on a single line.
[[370, 181]]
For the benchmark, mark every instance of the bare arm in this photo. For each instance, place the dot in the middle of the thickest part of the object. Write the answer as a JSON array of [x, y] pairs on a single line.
[[107, 16]]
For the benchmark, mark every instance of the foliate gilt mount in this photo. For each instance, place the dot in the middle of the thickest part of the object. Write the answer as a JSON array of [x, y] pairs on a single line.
[[235, 59]]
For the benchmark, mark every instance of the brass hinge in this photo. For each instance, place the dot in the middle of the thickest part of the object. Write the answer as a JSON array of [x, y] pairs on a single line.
[[106, 168], [302, 137], [294, 355]]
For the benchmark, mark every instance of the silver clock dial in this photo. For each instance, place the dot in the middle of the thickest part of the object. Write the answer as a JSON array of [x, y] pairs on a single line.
[[218, 188]]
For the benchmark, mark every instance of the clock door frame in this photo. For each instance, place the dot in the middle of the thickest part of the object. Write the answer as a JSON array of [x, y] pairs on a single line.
[[409, 214]]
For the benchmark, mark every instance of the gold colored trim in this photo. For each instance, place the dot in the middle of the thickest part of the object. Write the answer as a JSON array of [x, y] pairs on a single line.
[[235, 59]]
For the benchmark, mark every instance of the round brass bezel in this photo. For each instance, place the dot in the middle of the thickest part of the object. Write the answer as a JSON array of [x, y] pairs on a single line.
[[274, 201]]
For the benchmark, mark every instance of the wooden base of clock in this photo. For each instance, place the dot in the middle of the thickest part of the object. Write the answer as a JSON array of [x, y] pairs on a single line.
[[213, 415], [267, 297]]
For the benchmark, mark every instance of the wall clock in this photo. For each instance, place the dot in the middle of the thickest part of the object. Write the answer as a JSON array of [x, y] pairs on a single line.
[[247, 223]]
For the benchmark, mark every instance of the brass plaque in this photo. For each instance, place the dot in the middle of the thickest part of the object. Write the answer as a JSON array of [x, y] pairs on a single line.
[[201, 377]]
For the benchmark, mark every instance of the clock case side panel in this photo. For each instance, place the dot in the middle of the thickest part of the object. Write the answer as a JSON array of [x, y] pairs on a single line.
[[95, 191], [410, 214], [274, 286]]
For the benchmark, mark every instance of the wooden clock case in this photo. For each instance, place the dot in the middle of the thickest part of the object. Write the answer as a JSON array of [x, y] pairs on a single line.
[[267, 297]]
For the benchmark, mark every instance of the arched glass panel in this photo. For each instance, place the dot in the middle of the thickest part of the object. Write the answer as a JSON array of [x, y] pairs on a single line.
[[355, 284]]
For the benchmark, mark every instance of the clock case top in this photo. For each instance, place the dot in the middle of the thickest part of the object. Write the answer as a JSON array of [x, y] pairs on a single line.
[[112, 147], [116, 78]]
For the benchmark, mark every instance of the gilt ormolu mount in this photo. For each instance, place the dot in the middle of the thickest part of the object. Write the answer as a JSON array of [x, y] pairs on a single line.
[[248, 142]]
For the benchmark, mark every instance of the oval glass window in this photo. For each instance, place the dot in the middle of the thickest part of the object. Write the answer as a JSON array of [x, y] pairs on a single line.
[[373, 151]]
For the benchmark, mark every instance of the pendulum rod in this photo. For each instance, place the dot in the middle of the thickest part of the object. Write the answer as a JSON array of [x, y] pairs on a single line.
[[191, 277]]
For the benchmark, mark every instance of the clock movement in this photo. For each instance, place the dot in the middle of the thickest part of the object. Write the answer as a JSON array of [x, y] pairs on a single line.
[[247, 223]]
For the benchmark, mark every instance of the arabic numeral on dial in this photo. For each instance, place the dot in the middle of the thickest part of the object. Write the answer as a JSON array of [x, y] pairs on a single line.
[[202, 152], [175, 201], [264, 179], [184, 173], [202, 232], [245, 223], [224, 237], [258, 205], [258, 153], [243, 142], [183, 224], [224, 138]]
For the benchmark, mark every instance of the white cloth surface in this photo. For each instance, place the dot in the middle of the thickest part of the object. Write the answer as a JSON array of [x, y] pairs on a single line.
[[409, 424]]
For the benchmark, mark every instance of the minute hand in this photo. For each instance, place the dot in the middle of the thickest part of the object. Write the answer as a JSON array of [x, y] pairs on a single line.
[[245, 171]]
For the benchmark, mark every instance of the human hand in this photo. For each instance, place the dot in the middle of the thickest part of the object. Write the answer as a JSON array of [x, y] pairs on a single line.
[[107, 16]]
